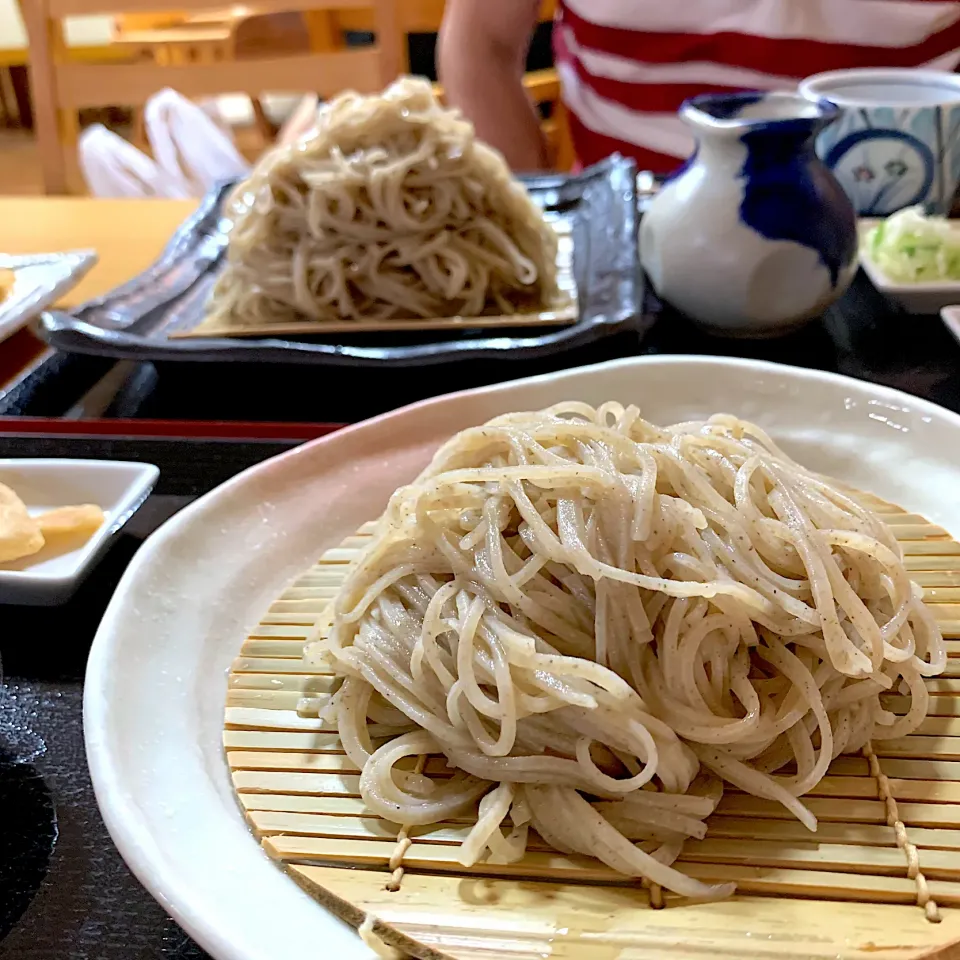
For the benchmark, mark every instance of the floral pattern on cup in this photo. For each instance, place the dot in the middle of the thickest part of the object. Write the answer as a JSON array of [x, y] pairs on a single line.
[[888, 159]]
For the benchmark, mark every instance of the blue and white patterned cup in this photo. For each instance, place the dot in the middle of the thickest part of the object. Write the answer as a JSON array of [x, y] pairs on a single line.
[[897, 142]]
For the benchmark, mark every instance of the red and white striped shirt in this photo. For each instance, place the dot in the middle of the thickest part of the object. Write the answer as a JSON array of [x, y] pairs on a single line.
[[627, 65]]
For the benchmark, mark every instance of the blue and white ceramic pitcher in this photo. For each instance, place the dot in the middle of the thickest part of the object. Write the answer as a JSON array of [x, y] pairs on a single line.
[[754, 235]]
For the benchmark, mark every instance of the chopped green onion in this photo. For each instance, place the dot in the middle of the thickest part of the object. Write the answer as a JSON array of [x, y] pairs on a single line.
[[912, 248]]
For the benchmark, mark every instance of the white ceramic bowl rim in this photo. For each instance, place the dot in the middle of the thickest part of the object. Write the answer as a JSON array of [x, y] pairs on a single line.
[[126, 728], [830, 85]]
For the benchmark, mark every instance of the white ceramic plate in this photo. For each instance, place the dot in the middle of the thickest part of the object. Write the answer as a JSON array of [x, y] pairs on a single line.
[[156, 679], [116, 486], [38, 282]]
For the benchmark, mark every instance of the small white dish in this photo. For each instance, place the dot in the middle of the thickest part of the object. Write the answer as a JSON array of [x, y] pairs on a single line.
[[117, 487], [928, 297], [38, 282], [913, 297], [895, 144], [951, 319]]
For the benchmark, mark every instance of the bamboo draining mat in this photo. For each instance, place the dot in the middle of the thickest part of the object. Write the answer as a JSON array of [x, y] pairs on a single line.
[[563, 313], [847, 891]]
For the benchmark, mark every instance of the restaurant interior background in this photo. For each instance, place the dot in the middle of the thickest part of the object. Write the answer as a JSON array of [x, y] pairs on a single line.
[[301, 43]]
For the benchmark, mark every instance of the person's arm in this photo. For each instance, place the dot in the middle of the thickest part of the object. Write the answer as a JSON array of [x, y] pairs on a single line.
[[481, 56]]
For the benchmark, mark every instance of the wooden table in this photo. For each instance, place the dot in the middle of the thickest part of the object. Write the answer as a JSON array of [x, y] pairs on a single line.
[[128, 235]]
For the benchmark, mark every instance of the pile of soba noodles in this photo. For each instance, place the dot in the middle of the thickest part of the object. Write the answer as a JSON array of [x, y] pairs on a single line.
[[598, 621], [393, 209]]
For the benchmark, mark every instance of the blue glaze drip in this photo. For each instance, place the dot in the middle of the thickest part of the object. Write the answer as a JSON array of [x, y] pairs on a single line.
[[787, 191]]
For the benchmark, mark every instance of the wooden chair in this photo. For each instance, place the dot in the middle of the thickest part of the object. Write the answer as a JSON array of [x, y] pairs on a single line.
[[150, 21], [61, 87], [413, 16], [328, 27], [176, 39], [227, 34]]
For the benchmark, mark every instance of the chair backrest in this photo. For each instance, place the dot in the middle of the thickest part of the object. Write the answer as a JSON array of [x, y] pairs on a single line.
[[150, 21], [263, 35], [327, 27], [412, 16], [61, 87]]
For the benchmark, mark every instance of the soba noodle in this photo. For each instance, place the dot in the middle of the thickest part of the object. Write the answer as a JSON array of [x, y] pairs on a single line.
[[598, 621], [391, 209]]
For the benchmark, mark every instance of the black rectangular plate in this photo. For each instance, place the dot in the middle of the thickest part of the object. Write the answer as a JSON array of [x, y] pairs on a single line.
[[133, 321]]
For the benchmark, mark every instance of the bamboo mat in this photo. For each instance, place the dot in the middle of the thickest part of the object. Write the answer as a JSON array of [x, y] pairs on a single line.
[[888, 843]]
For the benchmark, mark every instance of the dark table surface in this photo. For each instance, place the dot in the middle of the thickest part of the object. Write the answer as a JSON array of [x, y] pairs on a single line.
[[863, 336], [64, 891]]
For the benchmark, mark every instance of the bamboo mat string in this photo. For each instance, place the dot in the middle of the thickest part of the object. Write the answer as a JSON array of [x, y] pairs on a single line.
[[930, 908], [403, 843]]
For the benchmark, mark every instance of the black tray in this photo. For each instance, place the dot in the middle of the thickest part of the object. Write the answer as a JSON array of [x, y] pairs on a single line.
[[863, 335], [134, 322]]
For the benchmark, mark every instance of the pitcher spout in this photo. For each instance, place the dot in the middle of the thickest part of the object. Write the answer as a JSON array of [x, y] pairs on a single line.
[[733, 115]]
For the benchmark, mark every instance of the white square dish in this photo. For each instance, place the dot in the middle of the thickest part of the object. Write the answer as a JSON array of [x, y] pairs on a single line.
[[913, 297], [930, 297], [117, 487], [39, 280]]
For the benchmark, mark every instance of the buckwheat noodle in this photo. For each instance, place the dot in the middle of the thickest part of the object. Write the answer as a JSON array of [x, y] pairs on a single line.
[[392, 209], [598, 621]]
